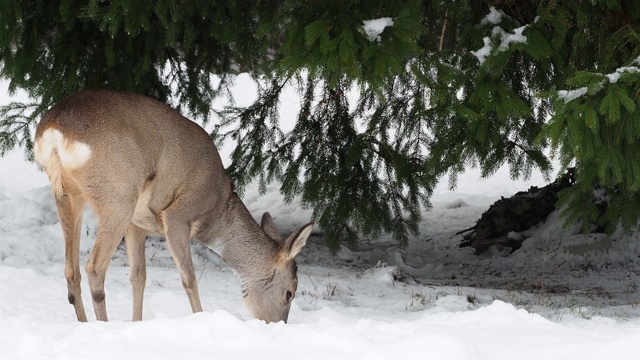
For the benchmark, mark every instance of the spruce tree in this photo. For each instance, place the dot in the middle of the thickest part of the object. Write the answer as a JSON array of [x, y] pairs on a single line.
[[166, 49], [383, 116]]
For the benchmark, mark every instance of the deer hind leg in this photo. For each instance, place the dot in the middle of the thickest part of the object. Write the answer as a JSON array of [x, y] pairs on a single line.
[[135, 242], [177, 233], [70, 205], [114, 218]]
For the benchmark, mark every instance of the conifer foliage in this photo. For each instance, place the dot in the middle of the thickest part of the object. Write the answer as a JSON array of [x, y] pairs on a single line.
[[387, 107]]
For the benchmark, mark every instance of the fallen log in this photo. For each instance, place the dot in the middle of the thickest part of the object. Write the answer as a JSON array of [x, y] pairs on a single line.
[[514, 214]]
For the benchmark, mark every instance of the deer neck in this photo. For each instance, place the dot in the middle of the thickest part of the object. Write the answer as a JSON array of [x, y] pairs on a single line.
[[239, 240]]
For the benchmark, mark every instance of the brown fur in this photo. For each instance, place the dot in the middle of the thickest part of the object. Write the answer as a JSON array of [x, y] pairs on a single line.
[[144, 168]]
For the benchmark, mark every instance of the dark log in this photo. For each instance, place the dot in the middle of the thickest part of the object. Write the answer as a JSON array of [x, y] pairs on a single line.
[[514, 214]]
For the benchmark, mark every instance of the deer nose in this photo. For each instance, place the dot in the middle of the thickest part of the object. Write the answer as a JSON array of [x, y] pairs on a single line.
[[274, 318]]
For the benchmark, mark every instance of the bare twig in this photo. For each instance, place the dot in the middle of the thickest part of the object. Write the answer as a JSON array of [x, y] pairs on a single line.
[[444, 29]]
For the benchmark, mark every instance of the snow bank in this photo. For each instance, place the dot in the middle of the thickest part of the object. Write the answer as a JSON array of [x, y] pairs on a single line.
[[496, 331]]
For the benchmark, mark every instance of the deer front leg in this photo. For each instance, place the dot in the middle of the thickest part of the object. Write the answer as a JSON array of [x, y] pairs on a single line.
[[135, 242], [177, 233]]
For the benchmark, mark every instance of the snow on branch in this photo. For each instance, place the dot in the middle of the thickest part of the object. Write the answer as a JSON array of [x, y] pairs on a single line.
[[499, 34], [494, 17], [373, 28], [505, 39], [484, 51], [614, 76], [570, 95]]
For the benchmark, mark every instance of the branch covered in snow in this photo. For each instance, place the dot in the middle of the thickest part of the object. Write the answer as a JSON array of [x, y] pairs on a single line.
[[373, 28], [569, 95], [494, 17], [498, 34], [614, 76]]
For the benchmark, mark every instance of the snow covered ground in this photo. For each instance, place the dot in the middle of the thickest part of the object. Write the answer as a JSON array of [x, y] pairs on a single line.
[[561, 296]]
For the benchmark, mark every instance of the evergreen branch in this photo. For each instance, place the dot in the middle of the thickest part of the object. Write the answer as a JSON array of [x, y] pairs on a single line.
[[16, 120]]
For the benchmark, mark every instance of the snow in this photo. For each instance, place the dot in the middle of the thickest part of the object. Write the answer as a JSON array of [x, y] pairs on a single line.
[[613, 77], [563, 295], [484, 51], [493, 17], [505, 38], [516, 37], [373, 28], [570, 95]]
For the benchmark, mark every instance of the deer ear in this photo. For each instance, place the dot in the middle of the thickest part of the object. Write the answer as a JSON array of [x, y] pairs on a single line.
[[294, 243], [269, 227]]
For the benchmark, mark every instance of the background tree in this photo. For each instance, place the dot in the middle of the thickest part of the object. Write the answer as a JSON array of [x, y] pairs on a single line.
[[169, 50], [383, 116]]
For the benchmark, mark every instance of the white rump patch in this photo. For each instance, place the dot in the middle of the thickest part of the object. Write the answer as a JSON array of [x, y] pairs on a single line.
[[55, 154], [72, 154]]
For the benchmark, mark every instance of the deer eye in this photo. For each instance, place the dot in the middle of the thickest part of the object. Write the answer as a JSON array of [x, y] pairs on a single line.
[[288, 296]]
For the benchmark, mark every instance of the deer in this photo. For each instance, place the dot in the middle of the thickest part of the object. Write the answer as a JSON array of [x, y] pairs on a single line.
[[146, 169]]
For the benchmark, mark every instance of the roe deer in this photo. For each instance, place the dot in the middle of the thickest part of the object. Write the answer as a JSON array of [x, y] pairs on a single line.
[[144, 168]]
